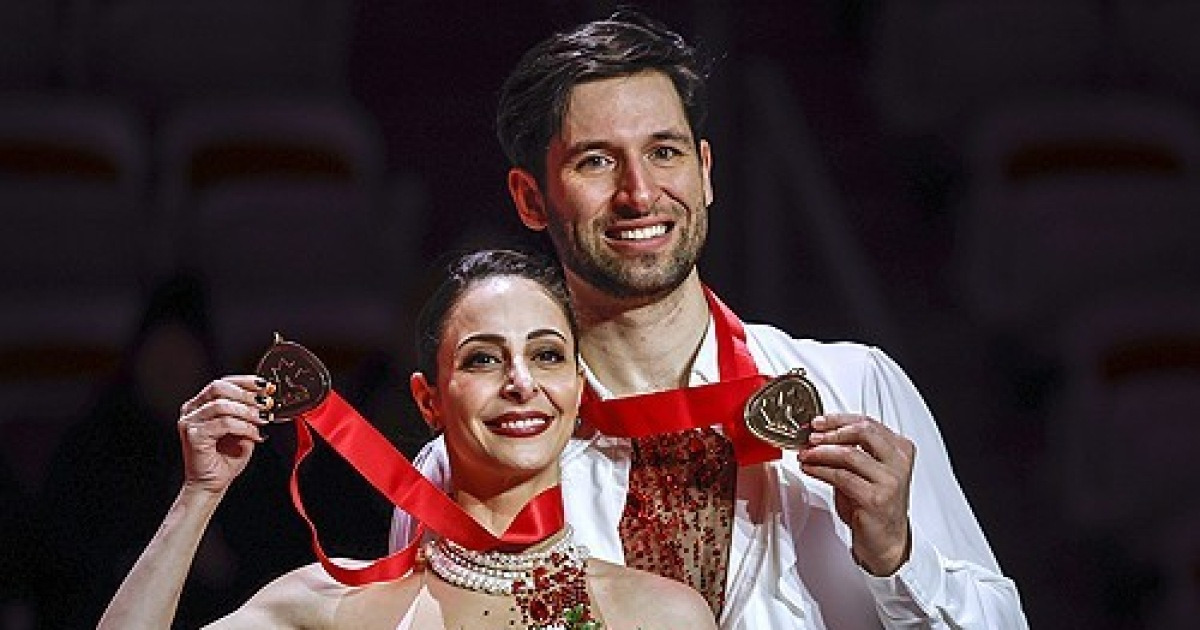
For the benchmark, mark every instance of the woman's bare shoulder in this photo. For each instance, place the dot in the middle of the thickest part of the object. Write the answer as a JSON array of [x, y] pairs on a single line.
[[637, 599], [303, 598], [379, 605], [310, 598]]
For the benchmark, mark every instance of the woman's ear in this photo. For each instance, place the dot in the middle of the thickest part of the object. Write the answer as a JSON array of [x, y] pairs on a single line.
[[580, 383], [425, 395], [527, 196]]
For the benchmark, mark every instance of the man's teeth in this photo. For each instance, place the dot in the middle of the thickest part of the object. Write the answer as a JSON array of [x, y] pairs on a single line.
[[522, 424], [640, 234]]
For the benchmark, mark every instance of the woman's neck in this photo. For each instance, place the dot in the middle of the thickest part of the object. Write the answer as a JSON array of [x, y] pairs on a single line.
[[496, 505]]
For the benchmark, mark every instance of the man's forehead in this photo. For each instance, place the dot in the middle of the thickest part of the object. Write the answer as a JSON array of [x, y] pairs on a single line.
[[642, 104]]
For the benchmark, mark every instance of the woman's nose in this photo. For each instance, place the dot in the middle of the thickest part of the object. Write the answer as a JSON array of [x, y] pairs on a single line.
[[520, 384]]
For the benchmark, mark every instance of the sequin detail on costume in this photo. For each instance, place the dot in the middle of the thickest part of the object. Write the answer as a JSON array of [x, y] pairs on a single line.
[[556, 598], [678, 518], [549, 586]]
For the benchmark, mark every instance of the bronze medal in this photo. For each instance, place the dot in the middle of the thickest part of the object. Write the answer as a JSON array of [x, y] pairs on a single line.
[[301, 381], [781, 412]]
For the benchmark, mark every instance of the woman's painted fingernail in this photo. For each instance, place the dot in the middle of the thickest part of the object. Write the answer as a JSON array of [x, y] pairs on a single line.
[[261, 382]]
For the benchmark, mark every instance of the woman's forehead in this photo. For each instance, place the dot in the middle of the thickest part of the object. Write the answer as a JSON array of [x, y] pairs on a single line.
[[505, 304]]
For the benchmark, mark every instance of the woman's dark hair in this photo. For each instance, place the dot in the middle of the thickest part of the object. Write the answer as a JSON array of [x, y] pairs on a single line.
[[533, 99], [474, 267]]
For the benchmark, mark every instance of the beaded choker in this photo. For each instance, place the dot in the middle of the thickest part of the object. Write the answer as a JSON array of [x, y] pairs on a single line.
[[499, 572], [549, 585]]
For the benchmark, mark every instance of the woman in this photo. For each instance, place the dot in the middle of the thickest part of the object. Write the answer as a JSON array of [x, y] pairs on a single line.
[[501, 377]]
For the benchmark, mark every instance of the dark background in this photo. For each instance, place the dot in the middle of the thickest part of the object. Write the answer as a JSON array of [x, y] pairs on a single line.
[[1000, 193]]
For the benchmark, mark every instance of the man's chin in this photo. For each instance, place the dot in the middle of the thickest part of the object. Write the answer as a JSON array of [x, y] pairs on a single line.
[[636, 286]]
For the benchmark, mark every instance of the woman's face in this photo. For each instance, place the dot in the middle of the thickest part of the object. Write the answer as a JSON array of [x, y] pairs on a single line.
[[508, 385]]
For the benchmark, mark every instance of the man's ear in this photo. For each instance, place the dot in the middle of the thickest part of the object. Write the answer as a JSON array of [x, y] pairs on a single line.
[[527, 196], [425, 395], [706, 171]]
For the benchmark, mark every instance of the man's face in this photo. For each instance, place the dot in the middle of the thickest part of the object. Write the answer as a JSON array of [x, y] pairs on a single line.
[[627, 188]]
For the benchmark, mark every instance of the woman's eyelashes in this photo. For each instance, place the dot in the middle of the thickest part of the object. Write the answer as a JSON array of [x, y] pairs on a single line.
[[482, 359], [548, 355]]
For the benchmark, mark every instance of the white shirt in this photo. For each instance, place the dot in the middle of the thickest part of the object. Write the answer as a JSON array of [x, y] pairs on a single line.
[[790, 564]]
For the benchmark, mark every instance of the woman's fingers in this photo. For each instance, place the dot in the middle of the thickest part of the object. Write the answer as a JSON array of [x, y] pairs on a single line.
[[211, 430], [251, 391]]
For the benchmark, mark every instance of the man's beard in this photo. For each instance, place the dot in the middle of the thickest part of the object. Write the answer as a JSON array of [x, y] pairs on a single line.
[[647, 276]]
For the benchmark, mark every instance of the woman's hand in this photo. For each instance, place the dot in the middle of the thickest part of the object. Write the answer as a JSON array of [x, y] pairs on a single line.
[[218, 429]]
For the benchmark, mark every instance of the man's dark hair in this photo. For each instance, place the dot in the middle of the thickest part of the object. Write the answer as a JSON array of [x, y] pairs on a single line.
[[534, 97], [474, 267]]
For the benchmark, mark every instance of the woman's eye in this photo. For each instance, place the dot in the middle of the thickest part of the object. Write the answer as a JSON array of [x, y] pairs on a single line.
[[550, 356], [479, 360]]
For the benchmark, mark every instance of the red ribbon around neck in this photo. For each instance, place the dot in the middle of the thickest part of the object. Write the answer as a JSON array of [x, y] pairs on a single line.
[[374, 457], [677, 410]]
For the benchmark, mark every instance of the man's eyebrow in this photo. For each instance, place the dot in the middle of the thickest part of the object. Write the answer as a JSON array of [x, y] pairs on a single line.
[[587, 145], [667, 135], [673, 135]]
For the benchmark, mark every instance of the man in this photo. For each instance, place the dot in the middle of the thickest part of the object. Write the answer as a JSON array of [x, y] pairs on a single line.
[[864, 526]]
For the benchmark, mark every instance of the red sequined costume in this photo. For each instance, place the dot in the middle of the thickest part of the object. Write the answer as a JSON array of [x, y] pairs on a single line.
[[678, 516]]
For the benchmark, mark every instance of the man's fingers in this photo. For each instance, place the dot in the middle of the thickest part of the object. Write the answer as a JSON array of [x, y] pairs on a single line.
[[864, 432], [845, 481], [848, 458]]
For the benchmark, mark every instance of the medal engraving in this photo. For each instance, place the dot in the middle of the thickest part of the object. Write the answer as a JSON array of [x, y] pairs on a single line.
[[301, 381], [781, 412]]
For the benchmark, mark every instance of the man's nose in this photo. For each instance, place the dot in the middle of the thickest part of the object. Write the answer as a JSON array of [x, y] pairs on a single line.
[[636, 191]]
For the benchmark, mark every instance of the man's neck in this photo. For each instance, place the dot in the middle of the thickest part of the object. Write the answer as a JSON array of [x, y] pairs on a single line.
[[635, 347]]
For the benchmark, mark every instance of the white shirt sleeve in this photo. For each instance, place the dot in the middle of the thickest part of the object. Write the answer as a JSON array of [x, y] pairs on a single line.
[[952, 579], [432, 462]]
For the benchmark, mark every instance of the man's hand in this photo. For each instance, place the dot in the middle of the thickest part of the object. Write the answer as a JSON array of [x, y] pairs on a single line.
[[870, 468]]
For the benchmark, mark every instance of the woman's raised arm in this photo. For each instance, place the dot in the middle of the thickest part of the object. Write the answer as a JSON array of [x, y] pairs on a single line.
[[218, 429]]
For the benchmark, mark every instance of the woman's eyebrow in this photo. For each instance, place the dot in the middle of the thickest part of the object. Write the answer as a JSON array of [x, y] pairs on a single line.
[[546, 332], [484, 337]]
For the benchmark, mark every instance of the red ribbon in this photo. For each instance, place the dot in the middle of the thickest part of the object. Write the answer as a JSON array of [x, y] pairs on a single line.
[[374, 457], [677, 410]]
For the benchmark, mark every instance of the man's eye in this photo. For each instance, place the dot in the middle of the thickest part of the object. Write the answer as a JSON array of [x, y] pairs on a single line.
[[593, 162], [664, 153]]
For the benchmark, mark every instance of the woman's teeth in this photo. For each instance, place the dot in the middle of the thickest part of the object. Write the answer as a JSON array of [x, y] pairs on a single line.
[[524, 424]]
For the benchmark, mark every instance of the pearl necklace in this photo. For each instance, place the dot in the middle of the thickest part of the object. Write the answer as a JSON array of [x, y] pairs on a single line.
[[500, 572]]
